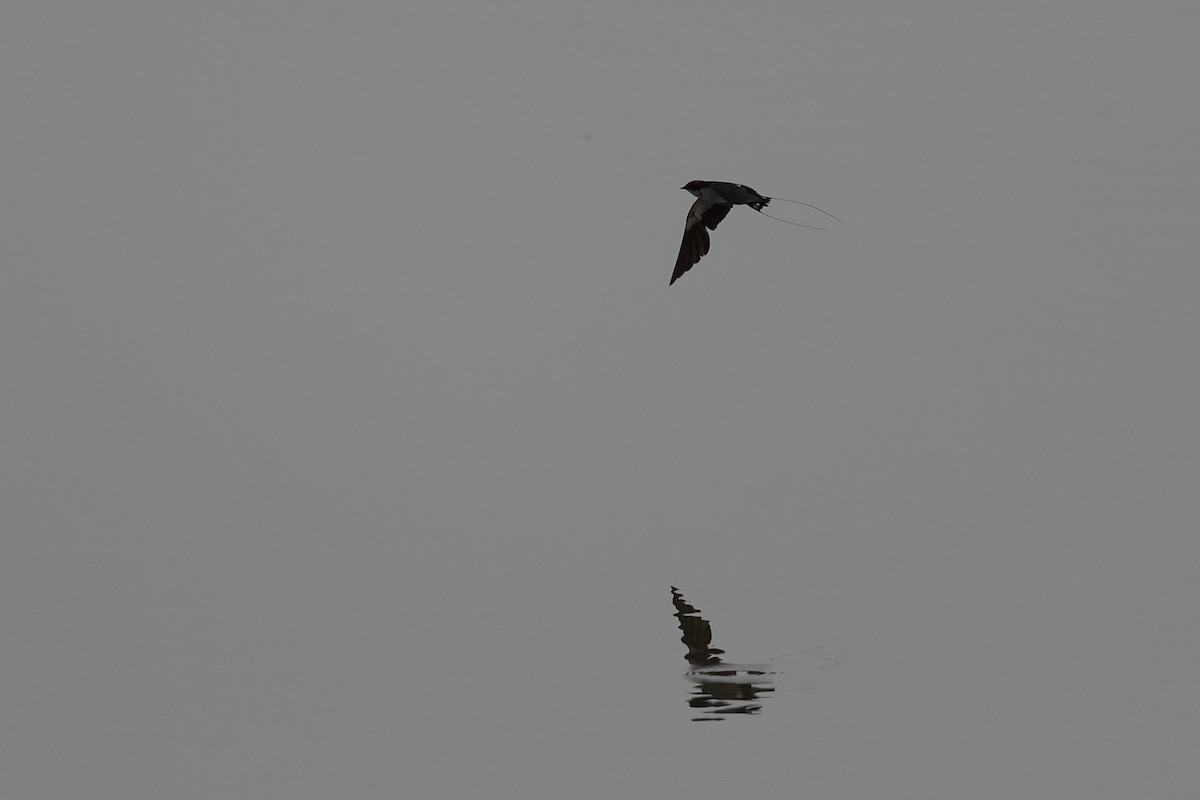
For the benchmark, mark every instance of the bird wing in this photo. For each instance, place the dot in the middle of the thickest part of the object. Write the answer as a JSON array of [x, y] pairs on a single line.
[[703, 217]]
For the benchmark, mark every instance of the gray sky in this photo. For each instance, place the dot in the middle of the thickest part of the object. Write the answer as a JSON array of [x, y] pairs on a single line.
[[351, 438]]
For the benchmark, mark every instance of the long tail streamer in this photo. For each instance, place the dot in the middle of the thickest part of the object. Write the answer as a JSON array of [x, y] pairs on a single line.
[[798, 224]]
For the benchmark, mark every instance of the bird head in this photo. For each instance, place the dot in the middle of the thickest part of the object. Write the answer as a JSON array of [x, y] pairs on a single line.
[[695, 187]]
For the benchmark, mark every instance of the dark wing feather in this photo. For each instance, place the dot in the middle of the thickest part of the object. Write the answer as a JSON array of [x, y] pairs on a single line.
[[714, 214], [694, 247], [700, 221]]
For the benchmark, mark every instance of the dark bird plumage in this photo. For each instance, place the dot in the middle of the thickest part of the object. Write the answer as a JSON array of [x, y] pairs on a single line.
[[714, 199]]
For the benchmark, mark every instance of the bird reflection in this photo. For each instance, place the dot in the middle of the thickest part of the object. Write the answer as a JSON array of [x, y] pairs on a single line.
[[721, 688]]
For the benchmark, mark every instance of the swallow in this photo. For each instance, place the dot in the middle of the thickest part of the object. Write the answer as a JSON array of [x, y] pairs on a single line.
[[714, 199]]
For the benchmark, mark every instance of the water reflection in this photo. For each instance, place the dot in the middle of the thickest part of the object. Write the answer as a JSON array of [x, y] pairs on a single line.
[[719, 687]]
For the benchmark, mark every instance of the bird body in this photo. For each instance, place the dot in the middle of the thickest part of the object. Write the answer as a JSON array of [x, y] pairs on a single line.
[[714, 199]]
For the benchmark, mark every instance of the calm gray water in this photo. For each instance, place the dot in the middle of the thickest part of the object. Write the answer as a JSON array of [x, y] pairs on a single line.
[[351, 437]]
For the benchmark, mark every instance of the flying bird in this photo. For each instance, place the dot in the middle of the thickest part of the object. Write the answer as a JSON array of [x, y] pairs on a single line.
[[714, 199]]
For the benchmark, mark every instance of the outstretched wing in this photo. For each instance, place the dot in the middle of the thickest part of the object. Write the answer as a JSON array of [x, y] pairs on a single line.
[[703, 217]]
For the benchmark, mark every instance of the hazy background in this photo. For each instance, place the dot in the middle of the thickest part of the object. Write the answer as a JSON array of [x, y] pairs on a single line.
[[351, 438]]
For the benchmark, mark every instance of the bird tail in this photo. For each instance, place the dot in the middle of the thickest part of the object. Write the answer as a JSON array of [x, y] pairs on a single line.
[[758, 206], [797, 202]]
